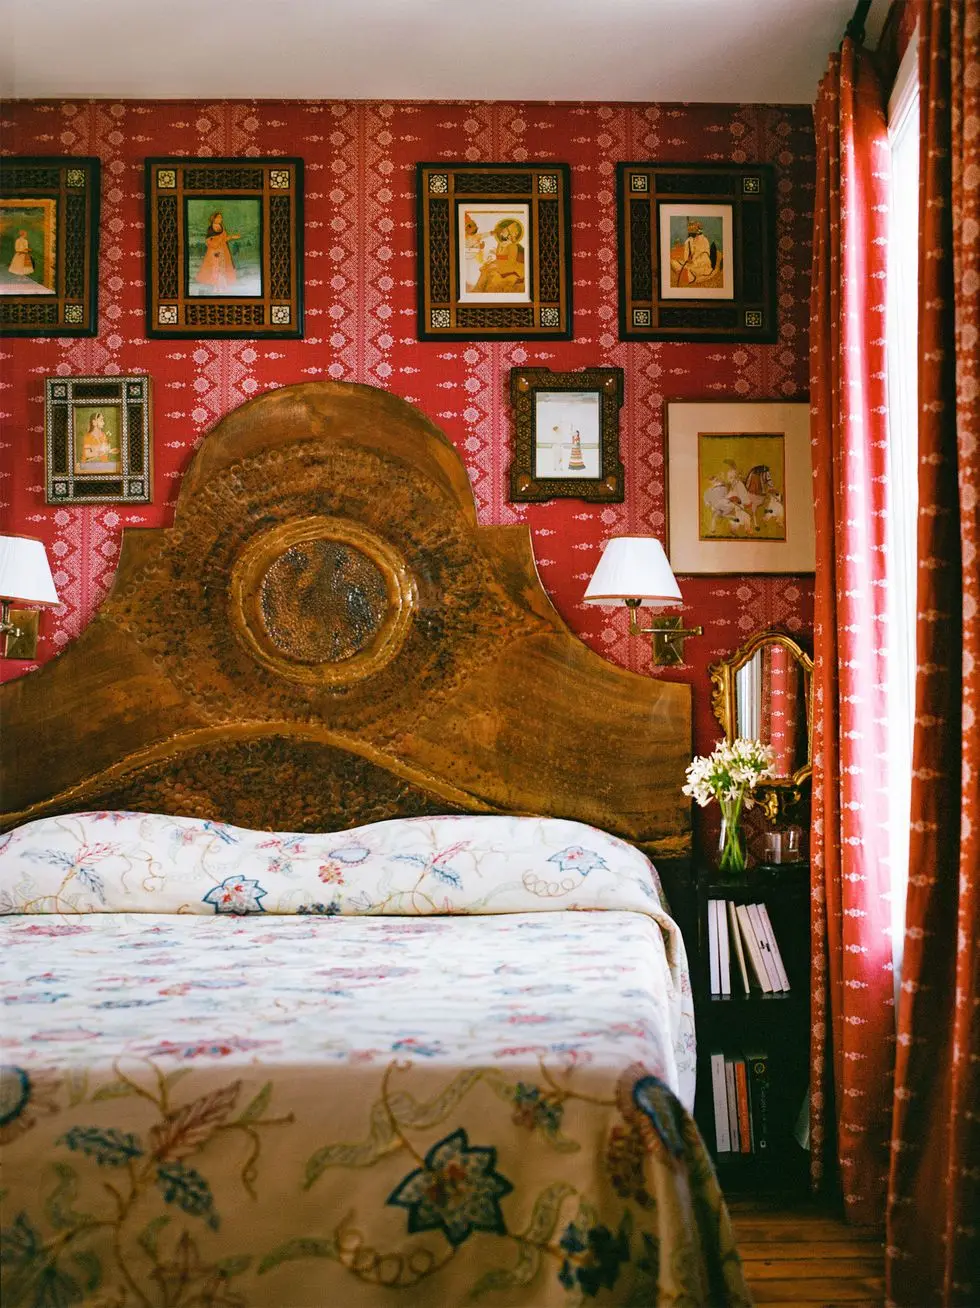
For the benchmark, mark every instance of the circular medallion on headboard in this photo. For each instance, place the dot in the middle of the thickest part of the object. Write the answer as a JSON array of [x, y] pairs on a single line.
[[322, 599]]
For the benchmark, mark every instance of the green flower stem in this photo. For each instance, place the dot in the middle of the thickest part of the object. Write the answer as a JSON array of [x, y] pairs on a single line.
[[732, 859]]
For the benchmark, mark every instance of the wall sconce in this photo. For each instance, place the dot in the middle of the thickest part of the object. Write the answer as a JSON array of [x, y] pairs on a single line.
[[25, 578], [634, 570]]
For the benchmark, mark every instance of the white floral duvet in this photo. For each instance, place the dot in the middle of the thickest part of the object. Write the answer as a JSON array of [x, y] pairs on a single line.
[[427, 1062]]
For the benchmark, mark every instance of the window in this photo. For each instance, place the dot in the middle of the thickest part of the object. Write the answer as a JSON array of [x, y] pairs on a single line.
[[901, 329]]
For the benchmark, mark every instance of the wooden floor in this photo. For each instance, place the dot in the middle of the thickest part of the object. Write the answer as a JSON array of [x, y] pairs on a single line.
[[805, 1254]]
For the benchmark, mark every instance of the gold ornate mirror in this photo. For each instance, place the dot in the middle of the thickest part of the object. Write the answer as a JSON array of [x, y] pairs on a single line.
[[764, 692]]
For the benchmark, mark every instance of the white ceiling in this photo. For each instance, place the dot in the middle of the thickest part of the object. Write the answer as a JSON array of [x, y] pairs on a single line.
[[752, 51]]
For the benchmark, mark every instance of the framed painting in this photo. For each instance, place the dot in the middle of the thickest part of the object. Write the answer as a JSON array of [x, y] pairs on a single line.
[[49, 244], [493, 252], [97, 440], [697, 252], [566, 434], [739, 487], [224, 249]]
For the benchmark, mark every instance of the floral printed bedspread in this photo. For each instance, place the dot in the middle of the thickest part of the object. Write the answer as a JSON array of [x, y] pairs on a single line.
[[429, 1062]]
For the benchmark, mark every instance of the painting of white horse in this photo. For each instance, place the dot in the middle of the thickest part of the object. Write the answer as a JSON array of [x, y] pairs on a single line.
[[742, 483]]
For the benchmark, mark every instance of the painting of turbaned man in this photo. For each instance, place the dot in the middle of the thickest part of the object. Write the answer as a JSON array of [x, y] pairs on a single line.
[[742, 485], [27, 247]]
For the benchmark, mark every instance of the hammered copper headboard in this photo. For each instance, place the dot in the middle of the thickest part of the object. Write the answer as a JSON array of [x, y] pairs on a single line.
[[326, 637]]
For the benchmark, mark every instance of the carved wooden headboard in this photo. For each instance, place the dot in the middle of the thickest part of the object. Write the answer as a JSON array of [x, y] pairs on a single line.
[[326, 637]]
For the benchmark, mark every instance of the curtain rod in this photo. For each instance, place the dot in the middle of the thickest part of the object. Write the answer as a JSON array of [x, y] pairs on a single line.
[[855, 28]]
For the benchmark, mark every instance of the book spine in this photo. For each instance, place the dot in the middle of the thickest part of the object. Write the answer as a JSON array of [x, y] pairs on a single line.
[[724, 950], [736, 938], [742, 1095], [723, 1142], [757, 1069], [713, 946], [755, 918], [752, 945], [777, 957], [731, 1100]]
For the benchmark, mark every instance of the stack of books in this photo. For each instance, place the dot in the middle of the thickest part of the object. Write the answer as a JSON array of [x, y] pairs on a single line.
[[743, 950], [740, 1091]]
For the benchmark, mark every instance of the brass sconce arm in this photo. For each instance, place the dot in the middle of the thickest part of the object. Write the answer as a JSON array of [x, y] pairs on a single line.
[[18, 631], [667, 636]]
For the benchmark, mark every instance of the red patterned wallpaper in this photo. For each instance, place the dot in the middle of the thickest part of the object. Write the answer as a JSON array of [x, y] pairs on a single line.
[[360, 326]]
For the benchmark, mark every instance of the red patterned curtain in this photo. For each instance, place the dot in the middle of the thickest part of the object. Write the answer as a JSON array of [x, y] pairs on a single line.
[[853, 1003], [933, 1245]]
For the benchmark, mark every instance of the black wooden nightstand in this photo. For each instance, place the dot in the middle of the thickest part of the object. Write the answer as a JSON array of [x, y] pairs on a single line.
[[770, 1033]]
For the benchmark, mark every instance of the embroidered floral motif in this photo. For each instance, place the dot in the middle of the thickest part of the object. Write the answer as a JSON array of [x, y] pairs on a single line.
[[535, 1110], [577, 859], [437, 864], [595, 1256], [653, 1124], [331, 873], [457, 1191], [323, 910], [236, 895]]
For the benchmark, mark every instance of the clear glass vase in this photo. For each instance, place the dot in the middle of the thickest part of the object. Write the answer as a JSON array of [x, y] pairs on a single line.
[[732, 859]]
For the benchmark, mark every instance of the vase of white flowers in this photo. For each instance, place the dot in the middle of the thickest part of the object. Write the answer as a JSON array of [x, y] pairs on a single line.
[[729, 775]]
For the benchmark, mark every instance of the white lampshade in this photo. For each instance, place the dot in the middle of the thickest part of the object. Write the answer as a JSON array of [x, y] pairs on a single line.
[[633, 567], [25, 576]]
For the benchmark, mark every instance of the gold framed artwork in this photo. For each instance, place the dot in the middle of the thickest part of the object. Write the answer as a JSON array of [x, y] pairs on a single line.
[[566, 435], [49, 243], [224, 250], [739, 487], [494, 259], [697, 252], [97, 440]]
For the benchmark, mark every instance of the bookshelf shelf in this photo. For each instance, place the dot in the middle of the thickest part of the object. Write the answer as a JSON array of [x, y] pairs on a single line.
[[756, 1147]]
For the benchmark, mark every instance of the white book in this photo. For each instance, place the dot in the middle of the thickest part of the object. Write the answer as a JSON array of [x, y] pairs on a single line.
[[763, 940], [724, 950], [719, 1097], [736, 938], [713, 946], [776, 955], [752, 945], [731, 1099]]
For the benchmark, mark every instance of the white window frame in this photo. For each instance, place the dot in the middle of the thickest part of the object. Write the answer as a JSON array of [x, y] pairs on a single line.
[[901, 332]]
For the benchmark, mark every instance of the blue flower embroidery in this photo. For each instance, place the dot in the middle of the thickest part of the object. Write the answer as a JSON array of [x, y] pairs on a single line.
[[321, 910], [222, 831], [535, 1110], [577, 859], [236, 895], [350, 854], [593, 1257], [457, 1191], [437, 865]]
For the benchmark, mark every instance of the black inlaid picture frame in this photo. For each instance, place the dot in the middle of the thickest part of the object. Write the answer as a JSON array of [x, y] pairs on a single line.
[[494, 252], [224, 248], [49, 245], [697, 252], [98, 440], [566, 435]]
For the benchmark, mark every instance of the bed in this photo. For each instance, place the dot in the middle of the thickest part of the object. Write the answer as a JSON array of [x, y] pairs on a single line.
[[334, 968]]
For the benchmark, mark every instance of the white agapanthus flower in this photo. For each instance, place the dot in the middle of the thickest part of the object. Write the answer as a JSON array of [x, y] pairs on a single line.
[[730, 773]]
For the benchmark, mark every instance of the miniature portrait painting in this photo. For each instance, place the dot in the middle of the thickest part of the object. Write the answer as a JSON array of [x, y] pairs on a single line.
[[494, 254], [97, 440], [567, 434], [742, 483], [696, 252], [224, 247], [28, 240]]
